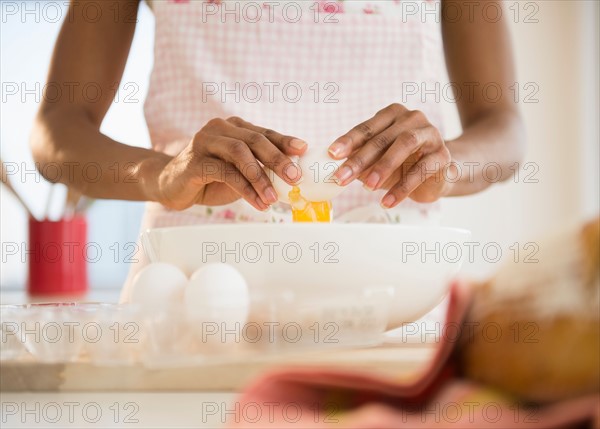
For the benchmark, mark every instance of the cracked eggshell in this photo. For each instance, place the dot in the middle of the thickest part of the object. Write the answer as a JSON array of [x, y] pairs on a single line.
[[318, 169], [317, 176]]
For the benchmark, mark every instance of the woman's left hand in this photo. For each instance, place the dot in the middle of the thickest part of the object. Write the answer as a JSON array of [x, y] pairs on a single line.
[[398, 150]]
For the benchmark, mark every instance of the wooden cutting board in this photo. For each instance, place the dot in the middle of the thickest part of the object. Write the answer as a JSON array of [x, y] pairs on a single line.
[[399, 362]]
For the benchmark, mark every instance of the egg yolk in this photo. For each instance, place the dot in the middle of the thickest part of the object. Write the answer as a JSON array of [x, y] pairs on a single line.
[[308, 211]]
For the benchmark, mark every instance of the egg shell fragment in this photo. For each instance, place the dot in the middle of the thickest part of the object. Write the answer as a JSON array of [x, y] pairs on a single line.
[[281, 186], [318, 169], [317, 182]]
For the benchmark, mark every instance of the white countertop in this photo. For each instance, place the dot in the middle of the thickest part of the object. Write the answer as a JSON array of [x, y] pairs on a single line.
[[118, 410]]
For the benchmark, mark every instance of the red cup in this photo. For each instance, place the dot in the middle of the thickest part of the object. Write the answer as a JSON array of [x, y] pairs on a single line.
[[56, 256]]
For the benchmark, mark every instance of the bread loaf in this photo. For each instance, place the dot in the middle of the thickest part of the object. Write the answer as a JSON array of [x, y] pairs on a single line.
[[533, 329]]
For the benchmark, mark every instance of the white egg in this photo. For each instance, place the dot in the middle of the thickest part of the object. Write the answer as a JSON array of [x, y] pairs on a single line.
[[217, 293], [317, 183], [318, 169], [158, 285]]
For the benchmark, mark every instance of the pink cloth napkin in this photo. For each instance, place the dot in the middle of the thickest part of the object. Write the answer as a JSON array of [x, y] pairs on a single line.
[[327, 397]]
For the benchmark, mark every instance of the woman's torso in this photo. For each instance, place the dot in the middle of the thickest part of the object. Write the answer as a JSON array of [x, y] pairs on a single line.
[[308, 68], [318, 76]]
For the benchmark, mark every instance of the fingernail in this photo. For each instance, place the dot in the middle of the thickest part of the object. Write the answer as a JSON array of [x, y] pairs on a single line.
[[372, 181], [336, 149], [262, 206], [388, 201], [271, 195], [297, 144], [343, 174], [293, 173]]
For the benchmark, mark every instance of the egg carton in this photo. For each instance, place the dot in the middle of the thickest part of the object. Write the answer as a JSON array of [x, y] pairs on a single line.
[[128, 334], [68, 332]]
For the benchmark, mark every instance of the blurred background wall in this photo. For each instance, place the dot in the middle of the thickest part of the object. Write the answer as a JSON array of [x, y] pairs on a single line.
[[556, 47], [556, 50], [27, 41]]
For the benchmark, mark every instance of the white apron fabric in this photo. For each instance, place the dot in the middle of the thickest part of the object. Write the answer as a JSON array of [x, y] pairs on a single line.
[[313, 79]]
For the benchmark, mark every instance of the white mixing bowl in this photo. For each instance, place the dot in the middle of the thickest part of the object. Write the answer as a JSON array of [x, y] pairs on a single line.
[[310, 259]]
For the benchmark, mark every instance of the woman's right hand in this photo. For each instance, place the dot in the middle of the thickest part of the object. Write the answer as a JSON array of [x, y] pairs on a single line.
[[221, 165]]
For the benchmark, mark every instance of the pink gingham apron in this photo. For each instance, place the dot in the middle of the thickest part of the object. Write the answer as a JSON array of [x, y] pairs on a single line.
[[310, 69]]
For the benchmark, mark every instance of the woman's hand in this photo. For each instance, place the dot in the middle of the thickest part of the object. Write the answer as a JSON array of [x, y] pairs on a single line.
[[398, 150], [221, 164]]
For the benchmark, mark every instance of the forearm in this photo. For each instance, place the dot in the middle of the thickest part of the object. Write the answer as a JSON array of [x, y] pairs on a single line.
[[487, 152], [66, 141], [478, 51], [69, 148]]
